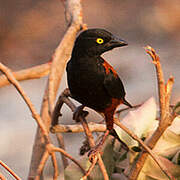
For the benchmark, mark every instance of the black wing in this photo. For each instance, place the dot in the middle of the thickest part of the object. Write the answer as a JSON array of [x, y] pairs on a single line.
[[114, 86]]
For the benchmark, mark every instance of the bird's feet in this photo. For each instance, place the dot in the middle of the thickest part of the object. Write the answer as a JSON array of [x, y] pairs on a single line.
[[93, 153], [79, 112], [97, 149]]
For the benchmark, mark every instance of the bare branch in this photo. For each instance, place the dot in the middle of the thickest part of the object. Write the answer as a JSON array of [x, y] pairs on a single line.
[[62, 146], [39, 146], [55, 165], [160, 80], [9, 170], [70, 157], [2, 177], [30, 73], [165, 117], [89, 170], [77, 128], [42, 164], [31, 107], [63, 51], [60, 58], [168, 89]]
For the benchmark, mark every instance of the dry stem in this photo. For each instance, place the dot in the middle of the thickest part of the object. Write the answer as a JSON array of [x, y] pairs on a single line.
[[31, 107], [49, 150], [165, 117], [77, 128], [58, 64], [2, 177], [55, 165], [63, 52], [62, 146], [89, 170], [30, 73], [42, 164], [70, 157], [9, 170]]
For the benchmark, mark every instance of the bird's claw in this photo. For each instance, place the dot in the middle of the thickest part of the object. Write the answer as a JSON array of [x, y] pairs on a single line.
[[79, 112]]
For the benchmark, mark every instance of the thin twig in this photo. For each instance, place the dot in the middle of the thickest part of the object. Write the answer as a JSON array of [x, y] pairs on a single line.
[[44, 131], [63, 51], [62, 54], [2, 177], [168, 89], [165, 117], [70, 157], [92, 144], [26, 74], [54, 81], [55, 165], [89, 170], [77, 128], [31, 107], [9, 170], [57, 110], [160, 79], [62, 146], [39, 146], [42, 164]]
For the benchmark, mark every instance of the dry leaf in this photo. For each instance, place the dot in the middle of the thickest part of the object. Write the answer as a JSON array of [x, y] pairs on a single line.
[[139, 121]]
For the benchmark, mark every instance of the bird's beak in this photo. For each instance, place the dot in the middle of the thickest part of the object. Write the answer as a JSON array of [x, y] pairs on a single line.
[[117, 42]]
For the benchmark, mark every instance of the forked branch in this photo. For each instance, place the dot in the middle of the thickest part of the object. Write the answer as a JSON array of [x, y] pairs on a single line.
[[166, 117], [50, 149]]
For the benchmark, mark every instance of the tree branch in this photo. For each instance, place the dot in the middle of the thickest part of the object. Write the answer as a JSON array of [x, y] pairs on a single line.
[[31, 107], [165, 117], [59, 60], [77, 128], [63, 51], [55, 149], [49, 149], [25, 74], [42, 164], [55, 165], [9, 170], [2, 177], [62, 146]]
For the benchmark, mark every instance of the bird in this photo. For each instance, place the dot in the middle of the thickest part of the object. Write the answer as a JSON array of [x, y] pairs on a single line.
[[92, 81]]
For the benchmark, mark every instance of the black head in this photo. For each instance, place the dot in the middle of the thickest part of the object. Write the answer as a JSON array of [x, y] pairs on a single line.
[[95, 42]]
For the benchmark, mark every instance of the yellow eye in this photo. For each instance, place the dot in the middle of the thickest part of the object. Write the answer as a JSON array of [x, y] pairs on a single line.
[[99, 40]]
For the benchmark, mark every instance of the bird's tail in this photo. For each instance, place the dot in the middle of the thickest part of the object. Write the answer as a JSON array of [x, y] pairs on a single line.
[[127, 103]]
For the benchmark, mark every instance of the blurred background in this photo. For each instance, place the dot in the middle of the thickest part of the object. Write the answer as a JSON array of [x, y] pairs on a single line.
[[31, 30]]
